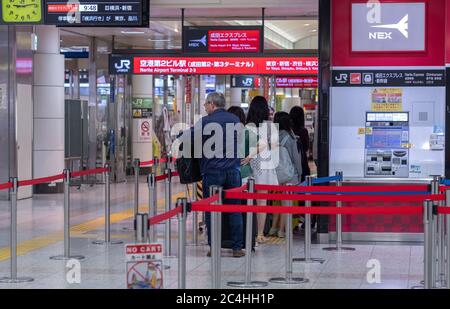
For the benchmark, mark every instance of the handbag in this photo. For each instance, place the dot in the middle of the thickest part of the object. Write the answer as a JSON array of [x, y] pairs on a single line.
[[189, 170], [285, 168]]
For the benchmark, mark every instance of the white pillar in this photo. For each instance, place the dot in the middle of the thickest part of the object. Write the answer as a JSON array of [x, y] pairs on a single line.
[[141, 147], [48, 112]]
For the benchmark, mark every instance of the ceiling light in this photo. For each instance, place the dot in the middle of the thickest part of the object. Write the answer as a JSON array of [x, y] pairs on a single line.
[[159, 40], [306, 25], [132, 32], [314, 30], [176, 30]]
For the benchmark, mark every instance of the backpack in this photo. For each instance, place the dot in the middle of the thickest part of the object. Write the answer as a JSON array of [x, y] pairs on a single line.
[[188, 168], [285, 169]]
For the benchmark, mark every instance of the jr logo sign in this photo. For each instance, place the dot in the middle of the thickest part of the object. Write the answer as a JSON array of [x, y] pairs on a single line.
[[388, 26]]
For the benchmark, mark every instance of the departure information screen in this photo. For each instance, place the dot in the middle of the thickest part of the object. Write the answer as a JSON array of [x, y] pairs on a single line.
[[88, 13]]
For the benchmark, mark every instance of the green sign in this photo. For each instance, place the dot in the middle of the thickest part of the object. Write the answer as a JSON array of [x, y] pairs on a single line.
[[142, 103]]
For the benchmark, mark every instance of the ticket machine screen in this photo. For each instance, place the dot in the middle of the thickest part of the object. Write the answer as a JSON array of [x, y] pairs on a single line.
[[387, 145]]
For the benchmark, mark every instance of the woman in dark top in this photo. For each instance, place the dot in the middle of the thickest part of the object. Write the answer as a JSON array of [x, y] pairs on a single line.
[[298, 120]]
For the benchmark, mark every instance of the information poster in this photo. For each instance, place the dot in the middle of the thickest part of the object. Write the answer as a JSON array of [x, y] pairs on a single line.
[[145, 130], [387, 100]]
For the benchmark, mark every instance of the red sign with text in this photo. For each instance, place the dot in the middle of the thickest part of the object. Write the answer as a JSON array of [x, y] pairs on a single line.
[[227, 65], [234, 41], [296, 82]]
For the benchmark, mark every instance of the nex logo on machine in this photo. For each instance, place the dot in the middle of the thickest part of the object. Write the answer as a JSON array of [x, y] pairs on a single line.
[[401, 26], [388, 26], [196, 43]]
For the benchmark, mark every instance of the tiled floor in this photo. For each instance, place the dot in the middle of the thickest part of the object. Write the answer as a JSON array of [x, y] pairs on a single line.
[[40, 236]]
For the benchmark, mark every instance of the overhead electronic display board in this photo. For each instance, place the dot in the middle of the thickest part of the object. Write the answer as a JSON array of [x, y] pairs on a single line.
[[213, 39], [126, 64], [97, 13]]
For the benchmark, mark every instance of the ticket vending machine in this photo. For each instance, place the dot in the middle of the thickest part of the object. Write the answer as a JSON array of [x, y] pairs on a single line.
[[387, 145]]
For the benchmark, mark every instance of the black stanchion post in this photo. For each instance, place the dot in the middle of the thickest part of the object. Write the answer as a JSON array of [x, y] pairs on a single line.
[[13, 236], [248, 283], [67, 255]]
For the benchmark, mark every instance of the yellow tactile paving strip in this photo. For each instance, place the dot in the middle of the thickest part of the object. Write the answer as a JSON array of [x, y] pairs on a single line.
[[36, 243], [274, 241]]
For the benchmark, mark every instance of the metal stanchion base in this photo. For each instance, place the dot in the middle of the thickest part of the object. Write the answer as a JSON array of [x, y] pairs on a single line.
[[103, 242], [65, 258], [439, 285], [170, 257], [294, 280], [309, 261], [16, 280], [251, 284], [339, 249]]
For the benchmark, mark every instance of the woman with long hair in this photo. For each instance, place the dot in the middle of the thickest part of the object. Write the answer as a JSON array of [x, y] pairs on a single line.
[[287, 142], [259, 157]]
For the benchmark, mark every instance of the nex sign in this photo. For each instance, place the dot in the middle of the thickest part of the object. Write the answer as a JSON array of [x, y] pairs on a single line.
[[388, 26]]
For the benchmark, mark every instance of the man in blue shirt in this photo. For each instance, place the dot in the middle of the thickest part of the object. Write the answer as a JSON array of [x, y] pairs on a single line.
[[220, 162]]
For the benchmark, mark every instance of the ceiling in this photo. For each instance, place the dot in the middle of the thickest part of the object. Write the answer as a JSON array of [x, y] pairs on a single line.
[[285, 25]]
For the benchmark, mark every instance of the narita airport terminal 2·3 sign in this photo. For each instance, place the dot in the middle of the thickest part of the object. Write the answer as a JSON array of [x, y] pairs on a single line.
[[88, 13], [119, 64]]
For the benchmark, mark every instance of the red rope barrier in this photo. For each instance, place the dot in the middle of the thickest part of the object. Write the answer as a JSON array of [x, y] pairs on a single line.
[[343, 188], [239, 189], [444, 210], [145, 163], [376, 210], [175, 174], [207, 201], [88, 172], [161, 177], [6, 186], [165, 216], [444, 188], [37, 181], [330, 198]]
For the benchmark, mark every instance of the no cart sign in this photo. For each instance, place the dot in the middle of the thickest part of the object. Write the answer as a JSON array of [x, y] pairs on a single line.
[[144, 266]]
